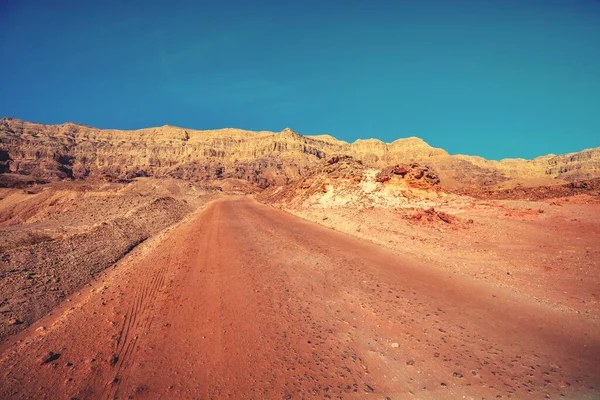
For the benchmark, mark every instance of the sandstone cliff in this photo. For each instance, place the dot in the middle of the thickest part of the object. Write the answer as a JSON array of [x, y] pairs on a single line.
[[48, 152]]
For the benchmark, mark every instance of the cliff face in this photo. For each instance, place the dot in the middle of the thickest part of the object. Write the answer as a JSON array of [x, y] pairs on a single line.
[[75, 151], [569, 167], [263, 158]]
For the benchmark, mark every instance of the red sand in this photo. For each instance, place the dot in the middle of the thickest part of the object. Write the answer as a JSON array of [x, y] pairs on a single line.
[[245, 301]]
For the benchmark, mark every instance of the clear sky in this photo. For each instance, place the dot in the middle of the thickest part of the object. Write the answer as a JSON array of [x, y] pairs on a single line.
[[496, 78]]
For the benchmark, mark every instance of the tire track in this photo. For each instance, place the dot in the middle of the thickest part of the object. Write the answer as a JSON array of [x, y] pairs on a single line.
[[137, 323]]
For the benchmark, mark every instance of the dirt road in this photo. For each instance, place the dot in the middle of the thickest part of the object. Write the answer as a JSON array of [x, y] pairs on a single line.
[[244, 301]]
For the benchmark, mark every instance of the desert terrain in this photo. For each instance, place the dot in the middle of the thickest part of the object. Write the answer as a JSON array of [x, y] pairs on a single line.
[[176, 263]]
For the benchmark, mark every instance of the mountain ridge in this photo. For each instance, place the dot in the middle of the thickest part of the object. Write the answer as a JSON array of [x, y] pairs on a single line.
[[321, 136], [265, 158]]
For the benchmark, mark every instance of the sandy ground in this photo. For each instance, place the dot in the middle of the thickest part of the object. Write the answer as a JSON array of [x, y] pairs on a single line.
[[545, 250], [245, 301]]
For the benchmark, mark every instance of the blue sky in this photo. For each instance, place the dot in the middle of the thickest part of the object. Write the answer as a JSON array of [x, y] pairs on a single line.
[[495, 78]]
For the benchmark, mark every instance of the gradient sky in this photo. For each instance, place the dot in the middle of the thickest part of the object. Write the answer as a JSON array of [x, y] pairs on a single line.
[[496, 78]]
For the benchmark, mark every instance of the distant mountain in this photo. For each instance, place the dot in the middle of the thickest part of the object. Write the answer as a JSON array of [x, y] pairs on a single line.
[[71, 151]]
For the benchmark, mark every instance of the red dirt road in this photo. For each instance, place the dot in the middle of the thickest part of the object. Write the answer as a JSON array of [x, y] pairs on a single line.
[[245, 301]]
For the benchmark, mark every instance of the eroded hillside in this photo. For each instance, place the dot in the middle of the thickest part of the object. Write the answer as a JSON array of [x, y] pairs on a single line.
[[55, 238]]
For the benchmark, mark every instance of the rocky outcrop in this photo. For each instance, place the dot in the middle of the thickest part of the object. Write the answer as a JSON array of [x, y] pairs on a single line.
[[415, 175], [71, 151], [343, 182], [431, 216]]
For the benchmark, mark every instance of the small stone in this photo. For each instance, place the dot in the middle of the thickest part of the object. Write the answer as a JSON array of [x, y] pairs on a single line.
[[410, 362], [49, 358], [395, 345], [457, 375], [113, 360]]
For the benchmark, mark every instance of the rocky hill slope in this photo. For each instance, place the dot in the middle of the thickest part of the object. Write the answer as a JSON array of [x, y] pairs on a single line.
[[48, 152]]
